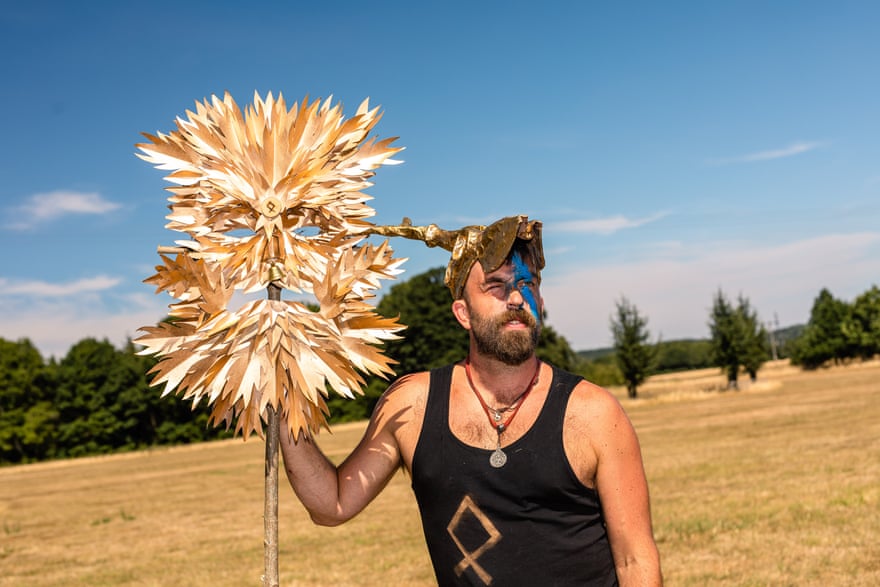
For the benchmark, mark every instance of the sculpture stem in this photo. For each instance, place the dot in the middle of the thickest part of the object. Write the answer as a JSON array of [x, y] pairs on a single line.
[[270, 515]]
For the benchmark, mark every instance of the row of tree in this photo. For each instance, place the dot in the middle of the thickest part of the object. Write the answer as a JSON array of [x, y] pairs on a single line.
[[98, 399], [838, 331], [738, 341], [95, 400]]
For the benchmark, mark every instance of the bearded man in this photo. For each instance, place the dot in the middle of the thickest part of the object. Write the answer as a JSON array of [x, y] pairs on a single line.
[[524, 474]]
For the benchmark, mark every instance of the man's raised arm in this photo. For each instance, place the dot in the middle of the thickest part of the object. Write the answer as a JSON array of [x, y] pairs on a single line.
[[335, 494]]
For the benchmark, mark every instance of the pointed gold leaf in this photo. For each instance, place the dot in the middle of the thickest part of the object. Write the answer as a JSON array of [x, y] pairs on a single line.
[[263, 187]]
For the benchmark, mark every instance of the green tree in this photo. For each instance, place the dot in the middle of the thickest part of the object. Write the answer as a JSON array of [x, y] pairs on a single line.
[[154, 418], [27, 421], [89, 379], [634, 354], [433, 337], [823, 339], [105, 404], [601, 371], [680, 355], [553, 348], [755, 351], [738, 338], [97, 399], [37, 432], [861, 325], [726, 338]]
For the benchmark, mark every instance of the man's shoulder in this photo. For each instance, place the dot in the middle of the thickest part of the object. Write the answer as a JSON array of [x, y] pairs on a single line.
[[412, 388], [415, 379], [594, 414], [592, 399], [408, 387], [419, 378], [402, 407]]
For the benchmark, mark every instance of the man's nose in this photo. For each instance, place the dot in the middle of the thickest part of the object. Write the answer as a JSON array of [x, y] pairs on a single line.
[[515, 298]]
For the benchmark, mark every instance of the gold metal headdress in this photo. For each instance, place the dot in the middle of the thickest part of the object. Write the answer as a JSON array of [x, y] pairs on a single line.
[[490, 245]]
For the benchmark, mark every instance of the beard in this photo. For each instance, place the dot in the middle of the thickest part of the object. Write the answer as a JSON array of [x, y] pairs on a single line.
[[509, 347]]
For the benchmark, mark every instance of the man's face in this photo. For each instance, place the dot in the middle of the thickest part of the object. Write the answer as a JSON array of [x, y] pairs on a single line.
[[495, 337], [504, 311]]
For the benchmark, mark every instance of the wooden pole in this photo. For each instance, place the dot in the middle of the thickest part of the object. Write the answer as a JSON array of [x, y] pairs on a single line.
[[273, 434], [270, 515]]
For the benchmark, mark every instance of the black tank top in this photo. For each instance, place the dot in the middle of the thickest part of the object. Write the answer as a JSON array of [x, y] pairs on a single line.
[[530, 523]]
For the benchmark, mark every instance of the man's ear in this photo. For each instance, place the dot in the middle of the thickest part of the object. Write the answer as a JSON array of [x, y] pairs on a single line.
[[461, 313]]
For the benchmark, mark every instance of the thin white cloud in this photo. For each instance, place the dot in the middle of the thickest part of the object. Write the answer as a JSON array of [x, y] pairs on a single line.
[[49, 206], [675, 290], [53, 325], [45, 289], [789, 151], [605, 226]]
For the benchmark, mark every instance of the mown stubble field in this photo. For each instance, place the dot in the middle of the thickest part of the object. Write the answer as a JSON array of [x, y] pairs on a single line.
[[776, 484]]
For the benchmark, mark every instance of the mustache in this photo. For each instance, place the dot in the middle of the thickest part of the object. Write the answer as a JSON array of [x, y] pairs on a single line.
[[519, 315]]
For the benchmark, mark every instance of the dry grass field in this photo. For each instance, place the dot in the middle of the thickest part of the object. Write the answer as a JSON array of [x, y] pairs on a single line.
[[776, 484]]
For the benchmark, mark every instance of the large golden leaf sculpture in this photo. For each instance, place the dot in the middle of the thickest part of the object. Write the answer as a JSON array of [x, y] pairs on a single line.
[[270, 197]]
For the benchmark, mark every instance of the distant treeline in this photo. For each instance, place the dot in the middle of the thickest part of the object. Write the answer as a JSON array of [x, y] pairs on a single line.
[[97, 399], [839, 331], [673, 355], [686, 354]]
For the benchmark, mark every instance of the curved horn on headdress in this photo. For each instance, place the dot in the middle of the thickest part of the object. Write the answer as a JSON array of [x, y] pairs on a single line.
[[490, 245]]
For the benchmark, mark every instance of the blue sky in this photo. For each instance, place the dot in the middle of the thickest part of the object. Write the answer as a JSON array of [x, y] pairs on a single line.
[[671, 149]]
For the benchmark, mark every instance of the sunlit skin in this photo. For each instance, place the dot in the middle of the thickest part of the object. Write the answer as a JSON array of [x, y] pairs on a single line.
[[598, 438], [503, 318], [514, 276]]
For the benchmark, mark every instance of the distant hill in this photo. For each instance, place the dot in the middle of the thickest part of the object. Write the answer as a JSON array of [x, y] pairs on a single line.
[[789, 333], [782, 335], [594, 354], [665, 345], [690, 353]]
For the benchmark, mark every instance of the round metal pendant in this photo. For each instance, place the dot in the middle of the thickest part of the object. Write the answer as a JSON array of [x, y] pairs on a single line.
[[498, 458]]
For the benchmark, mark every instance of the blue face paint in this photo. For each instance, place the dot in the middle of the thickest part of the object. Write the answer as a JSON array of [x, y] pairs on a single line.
[[522, 278]]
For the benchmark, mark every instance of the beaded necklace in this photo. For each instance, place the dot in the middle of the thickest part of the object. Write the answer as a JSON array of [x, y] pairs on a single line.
[[498, 458]]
